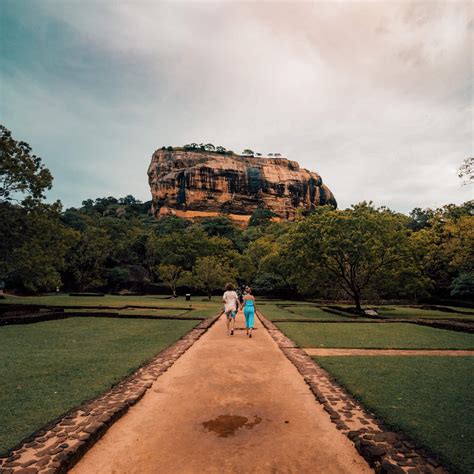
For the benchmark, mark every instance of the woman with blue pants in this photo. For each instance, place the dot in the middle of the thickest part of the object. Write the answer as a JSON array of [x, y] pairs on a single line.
[[249, 310]]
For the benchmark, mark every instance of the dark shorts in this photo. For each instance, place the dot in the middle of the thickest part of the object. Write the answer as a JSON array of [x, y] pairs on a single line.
[[231, 314]]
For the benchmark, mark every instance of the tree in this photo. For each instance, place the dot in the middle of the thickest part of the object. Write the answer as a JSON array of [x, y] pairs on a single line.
[[170, 275], [38, 255], [209, 274], [117, 277], [354, 248], [222, 226], [466, 171], [261, 216], [446, 247], [247, 152], [420, 218], [209, 147], [220, 149], [86, 259], [21, 172], [463, 286]]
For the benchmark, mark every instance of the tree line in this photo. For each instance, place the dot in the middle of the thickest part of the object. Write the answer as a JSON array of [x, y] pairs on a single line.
[[113, 244]]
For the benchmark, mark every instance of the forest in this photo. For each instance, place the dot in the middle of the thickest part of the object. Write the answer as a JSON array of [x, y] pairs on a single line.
[[360, 254]]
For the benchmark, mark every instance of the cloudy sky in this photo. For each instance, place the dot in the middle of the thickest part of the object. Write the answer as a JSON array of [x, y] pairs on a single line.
[[375, 96]]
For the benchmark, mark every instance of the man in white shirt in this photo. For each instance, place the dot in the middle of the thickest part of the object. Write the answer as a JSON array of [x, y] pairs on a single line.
[[231, 305]]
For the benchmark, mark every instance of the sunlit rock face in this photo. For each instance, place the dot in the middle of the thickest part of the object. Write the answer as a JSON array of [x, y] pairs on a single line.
[[196, 184]]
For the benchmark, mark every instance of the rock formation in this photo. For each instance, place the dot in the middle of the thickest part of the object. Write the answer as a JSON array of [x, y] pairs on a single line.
[[197, 184]]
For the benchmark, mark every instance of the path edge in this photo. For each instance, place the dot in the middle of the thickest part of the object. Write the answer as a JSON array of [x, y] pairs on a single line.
[[77, 431], [386, 451]]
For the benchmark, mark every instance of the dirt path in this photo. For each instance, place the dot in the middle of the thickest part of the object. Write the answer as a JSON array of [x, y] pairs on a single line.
[[387, 352], [229, 404]]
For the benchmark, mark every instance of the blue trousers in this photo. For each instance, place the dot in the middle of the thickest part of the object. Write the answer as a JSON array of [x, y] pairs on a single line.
[[249, 313]]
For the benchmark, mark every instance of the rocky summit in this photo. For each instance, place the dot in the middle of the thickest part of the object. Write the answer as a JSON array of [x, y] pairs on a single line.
[[200, 183]]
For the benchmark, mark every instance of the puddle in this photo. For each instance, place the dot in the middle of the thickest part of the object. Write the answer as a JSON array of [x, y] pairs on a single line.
[[227, 425]]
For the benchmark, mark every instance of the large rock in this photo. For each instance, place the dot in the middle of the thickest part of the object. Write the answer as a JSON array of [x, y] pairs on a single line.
[[197, 184]]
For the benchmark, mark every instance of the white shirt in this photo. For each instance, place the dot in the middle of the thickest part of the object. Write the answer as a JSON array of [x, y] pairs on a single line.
[[230, 301]]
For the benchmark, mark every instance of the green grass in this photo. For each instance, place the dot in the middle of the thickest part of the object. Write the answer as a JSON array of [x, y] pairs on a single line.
[[429, 398], [375, 336], [135, 311], [459, 308], [113, 301], [47, 368], [397, 312], [310, 313]]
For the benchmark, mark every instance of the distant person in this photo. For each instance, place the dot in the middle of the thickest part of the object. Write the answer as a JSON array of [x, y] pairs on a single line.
[[231, 305], [249, 310], [240, 294]]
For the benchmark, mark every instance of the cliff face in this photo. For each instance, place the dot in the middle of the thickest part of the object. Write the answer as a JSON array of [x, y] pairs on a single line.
[[204, 184]]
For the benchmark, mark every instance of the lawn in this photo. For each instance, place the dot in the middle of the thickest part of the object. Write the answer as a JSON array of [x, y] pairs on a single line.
[[47, 368], [114, 301], [149, 305], [136, 311], [375, 336], [398, 312], [429, 398], [307, 312]]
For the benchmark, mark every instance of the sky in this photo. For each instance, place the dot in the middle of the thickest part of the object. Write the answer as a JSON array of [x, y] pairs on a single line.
[[375, 96]]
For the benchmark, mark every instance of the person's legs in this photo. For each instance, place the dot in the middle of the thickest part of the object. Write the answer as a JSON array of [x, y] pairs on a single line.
[[228, 318], [232, 322], [246, 314], [250, 323]]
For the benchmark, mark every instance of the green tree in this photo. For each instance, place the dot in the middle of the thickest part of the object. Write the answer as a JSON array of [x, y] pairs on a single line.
[[39, 253], [21, 172], [446, 247], [209, 274], [261, 216], [33, 240], [170, 275], [86, 259], [463, 285], [354, 248], [117, 277]]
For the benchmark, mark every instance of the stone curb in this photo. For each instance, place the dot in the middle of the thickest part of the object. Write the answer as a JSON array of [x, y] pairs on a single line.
[[386, 451], [59, 445]]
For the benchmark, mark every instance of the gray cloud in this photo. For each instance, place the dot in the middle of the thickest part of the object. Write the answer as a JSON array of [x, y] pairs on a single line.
[[375, 96]]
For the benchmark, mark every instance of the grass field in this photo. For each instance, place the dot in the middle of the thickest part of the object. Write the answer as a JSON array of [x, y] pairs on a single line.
[[429, 398], [375, 336], [398, 312], [307, 312], [111, 300], [197, 307], [47, 368], [137, 311]]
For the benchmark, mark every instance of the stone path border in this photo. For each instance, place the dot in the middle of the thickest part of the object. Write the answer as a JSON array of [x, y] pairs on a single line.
[[386, 451], [316, 351], [61, 443]]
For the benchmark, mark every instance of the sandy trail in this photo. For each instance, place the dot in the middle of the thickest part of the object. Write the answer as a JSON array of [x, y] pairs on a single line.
[[388, 352], [229, 404]]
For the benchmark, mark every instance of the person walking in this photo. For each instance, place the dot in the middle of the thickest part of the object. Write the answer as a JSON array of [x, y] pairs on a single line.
[[249, 310], [231, 305]]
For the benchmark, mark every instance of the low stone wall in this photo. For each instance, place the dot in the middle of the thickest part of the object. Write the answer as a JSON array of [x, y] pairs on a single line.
[[60, 444], [386, 451]]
